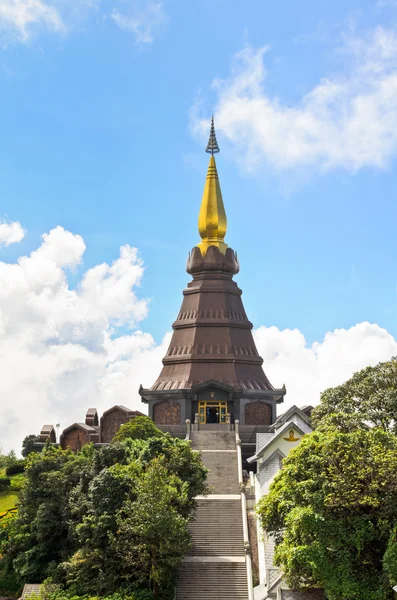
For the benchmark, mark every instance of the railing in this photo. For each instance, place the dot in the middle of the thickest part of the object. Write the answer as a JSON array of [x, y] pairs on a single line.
[[273, 576], [247, 545]]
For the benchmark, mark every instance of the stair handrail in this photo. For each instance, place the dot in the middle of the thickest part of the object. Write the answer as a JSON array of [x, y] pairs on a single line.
[[271, 580], [247, 545]]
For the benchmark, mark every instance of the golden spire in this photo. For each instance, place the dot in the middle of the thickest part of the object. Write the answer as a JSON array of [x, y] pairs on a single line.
[[212, 223]]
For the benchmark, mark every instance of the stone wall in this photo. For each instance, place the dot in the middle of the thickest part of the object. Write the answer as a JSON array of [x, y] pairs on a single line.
[[111, 422], [267, 472], [253, 537], [258, 413], [74, 438], [167, 413]]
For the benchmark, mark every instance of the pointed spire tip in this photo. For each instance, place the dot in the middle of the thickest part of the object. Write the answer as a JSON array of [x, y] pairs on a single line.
[[212, 146]]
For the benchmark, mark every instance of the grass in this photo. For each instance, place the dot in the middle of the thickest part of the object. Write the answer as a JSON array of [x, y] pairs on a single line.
[[9, 497]]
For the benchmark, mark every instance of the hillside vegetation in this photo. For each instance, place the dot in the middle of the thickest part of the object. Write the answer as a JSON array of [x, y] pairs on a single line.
[[106, 521]]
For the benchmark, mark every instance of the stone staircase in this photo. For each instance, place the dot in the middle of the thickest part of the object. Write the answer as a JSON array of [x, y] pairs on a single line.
[[217, 529], [215, 568]]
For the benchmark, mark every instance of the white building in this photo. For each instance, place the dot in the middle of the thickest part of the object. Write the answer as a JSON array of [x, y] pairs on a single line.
[[286, 433]]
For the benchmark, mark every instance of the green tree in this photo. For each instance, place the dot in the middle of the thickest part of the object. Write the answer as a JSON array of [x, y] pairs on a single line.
[[28, 444], [152, 535], [10, 459], [147, 495], [72, 509], [138, 428], [368, 399], [332, 509], [390, 557], [179, 459], [40, 537]]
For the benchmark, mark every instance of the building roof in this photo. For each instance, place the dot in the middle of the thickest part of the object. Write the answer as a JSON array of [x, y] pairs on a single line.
[[47, 429], [82, 426], [30, 589], [262, 439], [274, 436], [34, 589], [124, 409], [286, 416]]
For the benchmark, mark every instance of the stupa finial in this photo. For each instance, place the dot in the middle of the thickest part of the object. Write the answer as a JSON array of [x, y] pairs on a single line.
[[212, 222], [212, 146]]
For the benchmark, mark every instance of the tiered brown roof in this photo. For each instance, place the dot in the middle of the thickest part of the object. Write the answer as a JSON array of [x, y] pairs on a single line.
[[212, 336]]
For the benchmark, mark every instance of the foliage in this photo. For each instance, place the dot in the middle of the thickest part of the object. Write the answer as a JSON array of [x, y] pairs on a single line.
[[126, 595], [28, 444], [5, 482], [140, 543], [17, 467], [332, 509], [6, 460], [9, 584], [39, 537], [138, 428], [390, 557], [17, 481], [101, 520], [180, 461], [11, 458], [369, 398]]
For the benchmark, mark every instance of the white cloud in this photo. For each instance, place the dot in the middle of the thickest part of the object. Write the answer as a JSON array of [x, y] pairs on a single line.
[[386, 3], [63, 349], [19, 18], [308, 370], [143, 21], [348, 120], [10, 233]]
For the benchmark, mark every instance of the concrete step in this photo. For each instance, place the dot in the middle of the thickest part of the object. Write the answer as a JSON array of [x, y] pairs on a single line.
[[215, 567], [213, 440], [223, 475], [217, 529], [212, 581]]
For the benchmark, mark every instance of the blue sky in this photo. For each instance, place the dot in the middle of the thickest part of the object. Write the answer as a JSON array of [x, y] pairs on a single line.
[[104, 113]]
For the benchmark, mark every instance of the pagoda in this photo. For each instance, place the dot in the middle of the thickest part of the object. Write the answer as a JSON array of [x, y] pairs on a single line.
[[212, 373]]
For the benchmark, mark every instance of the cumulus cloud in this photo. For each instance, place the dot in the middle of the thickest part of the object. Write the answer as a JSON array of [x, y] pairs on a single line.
[[22, 20], [348, 120], [19, 18], [10, 233], [142, 21], [63, 349], [307, 370]]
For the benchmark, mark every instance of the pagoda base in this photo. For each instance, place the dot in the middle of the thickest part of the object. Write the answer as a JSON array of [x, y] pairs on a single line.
[[212, 403]]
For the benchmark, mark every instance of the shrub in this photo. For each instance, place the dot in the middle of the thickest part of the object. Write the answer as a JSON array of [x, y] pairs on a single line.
[[10, 586], [128, 594], [138, 428], [4, 483], [17, 481], [17, 467]]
